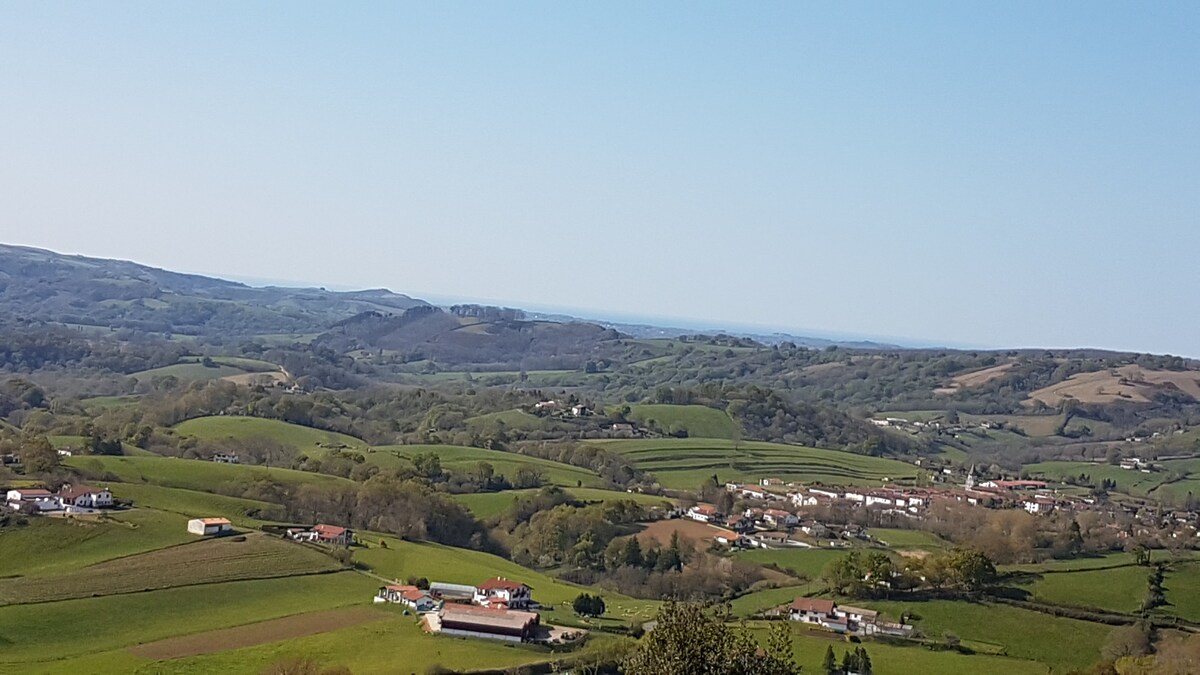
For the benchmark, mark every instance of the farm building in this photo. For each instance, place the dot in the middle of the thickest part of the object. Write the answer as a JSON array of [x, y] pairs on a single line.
[[323, 534], [501, 592], [486, 622], [452, 592], [41, 500], [85, 497], [409, 596], [209, 526], [703, 512]]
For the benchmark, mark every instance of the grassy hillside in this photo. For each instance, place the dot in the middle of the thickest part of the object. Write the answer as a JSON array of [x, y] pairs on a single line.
[[507, 419], [196, 504], [505, 463], [1116, 590], [306, 439], [1130, 482], [54, 545], [697, 421], [488, 504], [685, 463], [190, 474]]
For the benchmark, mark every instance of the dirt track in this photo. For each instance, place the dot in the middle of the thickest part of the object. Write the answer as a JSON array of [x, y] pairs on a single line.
[[275, 630]]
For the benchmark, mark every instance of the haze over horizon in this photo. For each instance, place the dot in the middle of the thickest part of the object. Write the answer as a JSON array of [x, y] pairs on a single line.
[[1008, 175]]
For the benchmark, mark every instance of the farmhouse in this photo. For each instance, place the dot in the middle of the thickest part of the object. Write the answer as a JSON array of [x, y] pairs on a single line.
[[705, 513], [209, 526], [409, 596], [740, 524], [817, 611], [485, 622], [501, 592], [85, 497], [40, 500], [332, 534], [728, 538], [780, 518]]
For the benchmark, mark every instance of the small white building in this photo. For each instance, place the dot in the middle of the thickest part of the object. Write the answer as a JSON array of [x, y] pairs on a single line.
[[41, 500], [209, 526], [705, 513], [83, 497], [501, 592]]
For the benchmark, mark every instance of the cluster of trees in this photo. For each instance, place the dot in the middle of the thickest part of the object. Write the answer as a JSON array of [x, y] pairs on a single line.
[[690, 639], [854, 662], [588, 605], [875, 574]]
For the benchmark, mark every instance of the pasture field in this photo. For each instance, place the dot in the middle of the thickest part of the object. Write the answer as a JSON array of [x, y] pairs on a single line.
[[684, 463], [1087, 563], [201, 562], [57, 545], [1182, 586], [1063, 644], [807, 561], [195, 504], [192, 474], [507, 419], [809, 650], [1115, 590], [305, 439], [32, 634], [188, 372], [402, 559], [1130, 482], [467, 459], [699, 421], [756, 601], [488, 504], [394, 644]]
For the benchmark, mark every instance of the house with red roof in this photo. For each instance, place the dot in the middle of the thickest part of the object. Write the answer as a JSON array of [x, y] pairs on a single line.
[[33, 498], [501, 592], [410, 596], [84, 497]]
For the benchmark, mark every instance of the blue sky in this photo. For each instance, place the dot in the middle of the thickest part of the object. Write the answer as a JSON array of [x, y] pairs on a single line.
[[993, 174]]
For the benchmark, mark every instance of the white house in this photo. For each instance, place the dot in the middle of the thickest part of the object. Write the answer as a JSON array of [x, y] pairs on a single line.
[[209, 526], [780, 518], [704, 513], [42, 500], [751, 492], [409, 596], [819, 612], [501, 592], [828, 493], [800, 499], [85, 497], [730, 538]]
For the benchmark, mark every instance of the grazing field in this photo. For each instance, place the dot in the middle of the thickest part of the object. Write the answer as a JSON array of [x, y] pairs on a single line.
[[202, 562], [1130, 482], [807, 561], [468, 459], [34, 633], [56, 545], [402, 559], [751, 603], [1064, 644], [273, 630], [192, 474], [974, 378], [809, 648], [305, 439], [1115, 590], [190, 372], [1182, 585], [507, 419], [488, 504], [195, 504], [908, 539], [697, 421], [684, 463]]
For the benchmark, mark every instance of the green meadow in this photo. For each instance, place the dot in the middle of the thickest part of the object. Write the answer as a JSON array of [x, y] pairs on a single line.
[[467, 459], [697, 420], [305, 439], [191, 474], [57, 545]]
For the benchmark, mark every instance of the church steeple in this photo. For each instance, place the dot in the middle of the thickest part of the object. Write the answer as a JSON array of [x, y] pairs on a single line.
[[971, 477]]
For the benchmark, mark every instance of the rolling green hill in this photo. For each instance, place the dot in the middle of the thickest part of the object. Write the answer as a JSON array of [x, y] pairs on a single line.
[[191, 474], [504, 463], [306, 439], [685, 463], [697, 421]]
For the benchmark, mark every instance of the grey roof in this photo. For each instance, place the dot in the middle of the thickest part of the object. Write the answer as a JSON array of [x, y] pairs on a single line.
[[439, 587]]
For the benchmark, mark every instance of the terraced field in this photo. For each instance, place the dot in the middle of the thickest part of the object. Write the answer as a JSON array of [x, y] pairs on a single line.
[[685, 463], [259, 556], [504, 463]]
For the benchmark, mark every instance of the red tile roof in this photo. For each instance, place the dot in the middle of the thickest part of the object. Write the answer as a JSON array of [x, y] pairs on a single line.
[[329, 530], [816, 605], [500, 583]]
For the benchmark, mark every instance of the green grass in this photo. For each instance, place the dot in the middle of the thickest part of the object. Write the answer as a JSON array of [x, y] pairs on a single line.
[[1115, 590], [306, 439], [102, 403], [56, 545], [749, 604], [507, 419], [504, 463], [188, 372], [487, 504], [200, 562], [1130, 482], [1182, 584], [195, 504], [685, 463], [1064, 644], [192, 474], [809, 650], [807, 561], [402, 559], [37, 633], [697, 420]]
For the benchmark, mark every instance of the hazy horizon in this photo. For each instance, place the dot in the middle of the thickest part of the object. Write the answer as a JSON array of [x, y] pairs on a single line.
[[1002, 175]]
